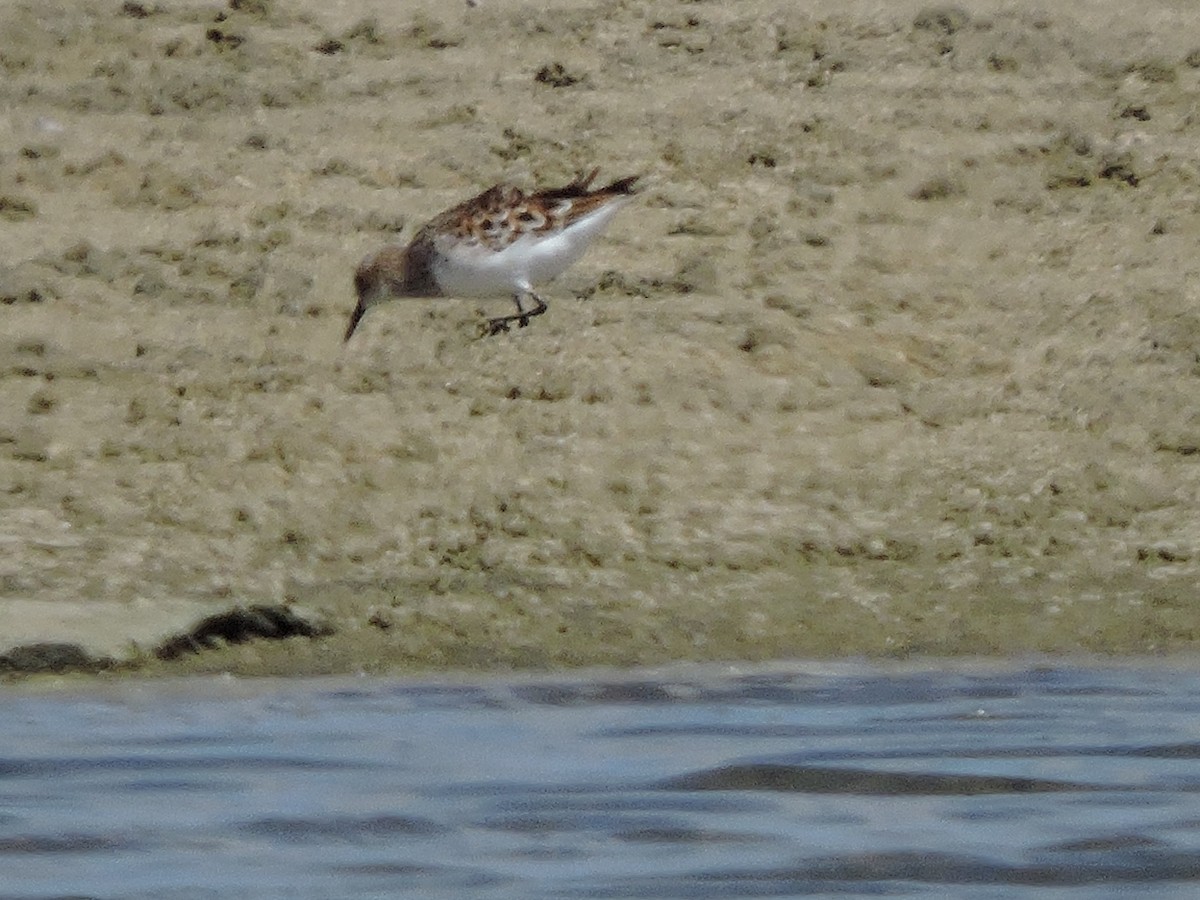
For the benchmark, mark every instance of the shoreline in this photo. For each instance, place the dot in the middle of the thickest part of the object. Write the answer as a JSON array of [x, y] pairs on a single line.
[[894, 356]]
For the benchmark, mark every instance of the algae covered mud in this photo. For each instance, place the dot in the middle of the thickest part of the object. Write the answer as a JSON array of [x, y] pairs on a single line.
[[896, 353]]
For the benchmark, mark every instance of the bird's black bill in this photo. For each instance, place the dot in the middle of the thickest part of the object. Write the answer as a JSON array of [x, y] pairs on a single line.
[[355, 318]]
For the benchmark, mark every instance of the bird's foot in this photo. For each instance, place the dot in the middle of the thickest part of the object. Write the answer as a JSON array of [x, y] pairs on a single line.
[[521, 316], [496, 326]]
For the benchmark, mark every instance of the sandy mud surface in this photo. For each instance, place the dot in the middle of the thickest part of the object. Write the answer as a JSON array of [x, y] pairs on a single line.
[[898, 352]]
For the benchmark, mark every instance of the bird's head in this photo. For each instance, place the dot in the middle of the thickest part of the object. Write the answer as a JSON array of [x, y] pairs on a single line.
[[380, 276]]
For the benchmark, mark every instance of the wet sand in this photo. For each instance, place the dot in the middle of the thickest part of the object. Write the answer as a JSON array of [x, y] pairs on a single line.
[[897, 353]]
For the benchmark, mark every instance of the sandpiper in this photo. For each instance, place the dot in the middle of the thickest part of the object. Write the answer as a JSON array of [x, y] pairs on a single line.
[[502, 242]]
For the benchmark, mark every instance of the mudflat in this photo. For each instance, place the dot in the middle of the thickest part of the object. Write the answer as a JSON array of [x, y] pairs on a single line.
[[897, 352]]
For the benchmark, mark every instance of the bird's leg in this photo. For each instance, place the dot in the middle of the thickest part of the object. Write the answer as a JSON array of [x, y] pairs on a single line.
[[521, 316], [536, 311]]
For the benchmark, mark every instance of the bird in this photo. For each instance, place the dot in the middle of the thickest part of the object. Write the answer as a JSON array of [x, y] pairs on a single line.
[[502, 241]]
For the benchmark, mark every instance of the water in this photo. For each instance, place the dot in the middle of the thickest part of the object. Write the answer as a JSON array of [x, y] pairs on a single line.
[[686, 783]]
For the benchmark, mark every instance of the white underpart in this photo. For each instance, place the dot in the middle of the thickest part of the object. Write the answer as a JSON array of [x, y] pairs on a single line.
[[464, 270]]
